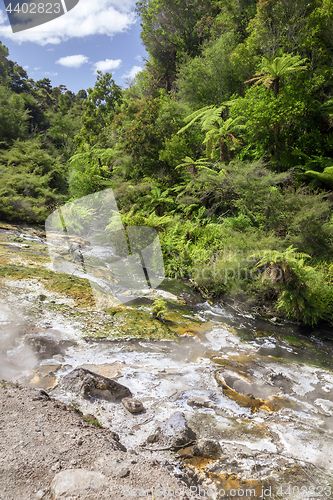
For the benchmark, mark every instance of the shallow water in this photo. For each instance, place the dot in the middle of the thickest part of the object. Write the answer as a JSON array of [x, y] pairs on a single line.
[[263, 390]]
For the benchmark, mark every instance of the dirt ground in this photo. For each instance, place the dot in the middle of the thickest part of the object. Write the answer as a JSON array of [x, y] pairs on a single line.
[[40, 437]]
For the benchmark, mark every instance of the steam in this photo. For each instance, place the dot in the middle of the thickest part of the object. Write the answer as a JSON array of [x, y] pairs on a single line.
[[15, 357]]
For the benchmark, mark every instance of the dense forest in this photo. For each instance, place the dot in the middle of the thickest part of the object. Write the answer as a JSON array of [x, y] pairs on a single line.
[[224, 143]]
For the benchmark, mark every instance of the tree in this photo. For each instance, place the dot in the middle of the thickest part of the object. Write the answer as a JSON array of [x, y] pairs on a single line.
[[219, 130], [43, 93], [32, 182], [168, 32], [62, 130], [99, 107], [279, 25], [192, 166], [272, 71], [222, 133], [13, 117], [211, 77]]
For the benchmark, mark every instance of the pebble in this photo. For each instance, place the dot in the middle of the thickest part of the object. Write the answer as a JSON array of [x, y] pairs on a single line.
[[132, 405]]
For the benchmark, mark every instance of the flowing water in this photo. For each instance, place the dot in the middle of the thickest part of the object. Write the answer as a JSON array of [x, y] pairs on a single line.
[[264, 391]]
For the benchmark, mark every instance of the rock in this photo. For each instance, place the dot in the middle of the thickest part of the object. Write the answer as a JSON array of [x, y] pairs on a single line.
[[92, 385], [207, 448], [44, 347], [174, 433], [76, 482], [132, 405], [40, 494], [199, 401], [41, 396], [187, 452]]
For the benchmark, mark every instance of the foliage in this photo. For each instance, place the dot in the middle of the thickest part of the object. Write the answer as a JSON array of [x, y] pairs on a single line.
[[169, 31], [288, 272], [223, 143], [99, 108], [89, 171], [219, 131], [325, 177], [13, 117], [210, 78], [272, 70], [31, 182], [159, 309]]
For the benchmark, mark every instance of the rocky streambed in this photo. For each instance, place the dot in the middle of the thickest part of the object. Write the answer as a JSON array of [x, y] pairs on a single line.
[[231, 407]]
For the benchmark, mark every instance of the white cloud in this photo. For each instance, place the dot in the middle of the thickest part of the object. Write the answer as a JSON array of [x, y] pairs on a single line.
[[3, 17], [139, 58], [73, 61], [105, 17], [133, 72], [107, 65]]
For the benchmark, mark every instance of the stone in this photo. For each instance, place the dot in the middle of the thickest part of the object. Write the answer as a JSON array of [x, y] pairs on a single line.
[[73, 482], [43, 346], [174, 433], [199, 401], [132, 405], [187, 452], [91, 385], [208, 448]]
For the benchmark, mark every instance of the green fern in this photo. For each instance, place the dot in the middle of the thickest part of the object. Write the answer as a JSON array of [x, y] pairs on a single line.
[[287, 271]]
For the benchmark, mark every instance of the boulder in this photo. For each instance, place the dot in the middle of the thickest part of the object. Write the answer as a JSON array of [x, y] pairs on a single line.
[[74, 482], [43, 346], [173, 434], [91, 385]]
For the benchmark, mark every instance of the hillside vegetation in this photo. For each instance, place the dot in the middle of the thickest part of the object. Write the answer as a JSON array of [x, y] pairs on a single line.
[[223, 143]]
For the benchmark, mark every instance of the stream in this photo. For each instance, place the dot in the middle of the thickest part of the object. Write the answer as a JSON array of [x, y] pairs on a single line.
[[262, 390]]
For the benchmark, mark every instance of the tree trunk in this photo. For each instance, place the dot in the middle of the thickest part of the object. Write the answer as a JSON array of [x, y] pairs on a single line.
[[276, 87], [277, 146], [221, 150]]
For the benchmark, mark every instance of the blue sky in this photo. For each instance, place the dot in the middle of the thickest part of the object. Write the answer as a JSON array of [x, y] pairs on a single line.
[[96, 34]]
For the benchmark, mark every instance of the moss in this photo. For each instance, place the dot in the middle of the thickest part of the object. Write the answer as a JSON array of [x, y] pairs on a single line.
[[76, 288], [92, 420]]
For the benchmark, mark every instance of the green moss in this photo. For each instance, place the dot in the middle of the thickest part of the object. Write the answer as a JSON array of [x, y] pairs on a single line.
[[75, 288], [91, 420]]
